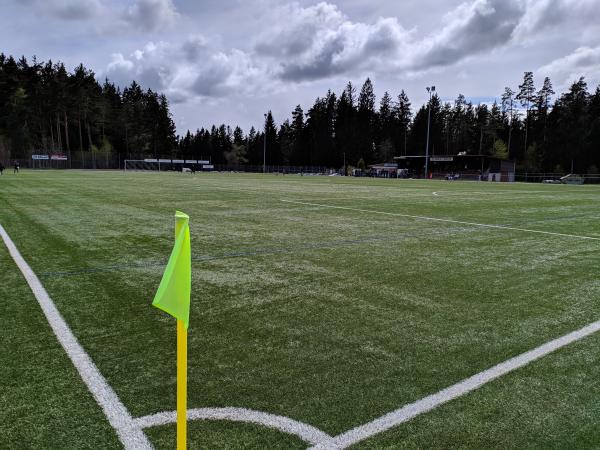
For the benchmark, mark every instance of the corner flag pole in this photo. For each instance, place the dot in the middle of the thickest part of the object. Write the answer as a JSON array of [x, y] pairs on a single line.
[[173, 297], [181, 386], [181, 373]]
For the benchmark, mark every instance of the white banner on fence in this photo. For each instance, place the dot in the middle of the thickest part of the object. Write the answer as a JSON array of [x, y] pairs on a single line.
[[40, 157], [177, 161], [58, 157], [441, 158]]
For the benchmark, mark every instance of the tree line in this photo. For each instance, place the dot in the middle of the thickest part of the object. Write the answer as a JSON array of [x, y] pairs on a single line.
[[44, 108], [541, 131]]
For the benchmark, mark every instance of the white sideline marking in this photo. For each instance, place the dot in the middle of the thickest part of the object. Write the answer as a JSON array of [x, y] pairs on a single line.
[[459, 389], [308, 433], [131, 435], [435, 193], [130, 431], [436, 219]]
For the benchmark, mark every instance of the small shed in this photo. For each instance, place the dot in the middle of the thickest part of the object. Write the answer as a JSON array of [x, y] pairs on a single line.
[[384, 170]]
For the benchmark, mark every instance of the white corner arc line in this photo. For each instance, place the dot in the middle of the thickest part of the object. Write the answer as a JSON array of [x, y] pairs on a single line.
[[411, 410], [131, 435], [306, 432], [437, 219]]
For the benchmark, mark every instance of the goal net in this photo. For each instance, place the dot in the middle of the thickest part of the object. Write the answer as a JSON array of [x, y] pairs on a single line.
[[166, 164]]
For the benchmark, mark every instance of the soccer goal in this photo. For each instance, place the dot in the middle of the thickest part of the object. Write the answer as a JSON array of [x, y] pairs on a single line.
[[572, 179], [166, 164]]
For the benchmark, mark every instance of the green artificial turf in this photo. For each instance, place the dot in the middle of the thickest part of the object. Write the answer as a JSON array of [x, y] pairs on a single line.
[[328, 316], [43, 402]]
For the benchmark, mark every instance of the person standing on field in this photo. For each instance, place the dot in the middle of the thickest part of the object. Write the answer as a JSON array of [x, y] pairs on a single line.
[[16, 170], [1, 168]]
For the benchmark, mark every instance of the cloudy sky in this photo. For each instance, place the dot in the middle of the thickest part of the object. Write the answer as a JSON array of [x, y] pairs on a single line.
[[231, 60]]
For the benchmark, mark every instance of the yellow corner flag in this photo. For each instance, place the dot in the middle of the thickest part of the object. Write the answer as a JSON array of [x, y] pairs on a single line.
[[173, 297]]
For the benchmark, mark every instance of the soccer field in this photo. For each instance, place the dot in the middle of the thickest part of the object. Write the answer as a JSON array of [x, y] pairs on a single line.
[[326, 302]]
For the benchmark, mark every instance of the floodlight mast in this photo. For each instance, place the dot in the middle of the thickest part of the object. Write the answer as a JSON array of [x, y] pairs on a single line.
[[265, 146], [429, 90]]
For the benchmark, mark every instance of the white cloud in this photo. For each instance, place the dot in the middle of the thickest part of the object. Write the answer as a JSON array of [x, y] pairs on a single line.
[[67, 9], [296, 30], [151, 15], [472, 28], [544, 15], [119, 63], [311, 48], [74, 10], [188, 70], [584, 61], [320, 41], [141, 15]]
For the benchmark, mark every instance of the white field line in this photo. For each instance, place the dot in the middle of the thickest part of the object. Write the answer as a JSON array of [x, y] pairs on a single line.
[[130, 430], [459, 389], [304, 431], [436, 219], [131, 435], [507, 192]]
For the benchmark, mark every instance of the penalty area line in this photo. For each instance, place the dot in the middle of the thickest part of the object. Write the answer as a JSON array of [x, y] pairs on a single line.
[[437, 219], [131, 435]]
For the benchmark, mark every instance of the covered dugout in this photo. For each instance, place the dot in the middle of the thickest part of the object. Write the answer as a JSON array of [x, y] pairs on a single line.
[[468, 167]]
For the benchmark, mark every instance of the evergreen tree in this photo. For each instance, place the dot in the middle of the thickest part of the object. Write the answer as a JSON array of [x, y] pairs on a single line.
[[273, 152], [542, 104], [320, 132], [403, 117], [508, 112], [482, 120], [385, 129], [285, 137], [236, 155], [298, 148], [526, 96], [593, 140], [365, 122], [345, 127], [569, 128], [495, 126]]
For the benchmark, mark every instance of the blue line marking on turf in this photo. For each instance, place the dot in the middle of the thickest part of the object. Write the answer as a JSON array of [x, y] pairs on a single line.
[[238, 254]]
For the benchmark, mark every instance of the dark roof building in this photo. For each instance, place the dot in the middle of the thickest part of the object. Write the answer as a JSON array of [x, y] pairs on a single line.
[[471, 167]]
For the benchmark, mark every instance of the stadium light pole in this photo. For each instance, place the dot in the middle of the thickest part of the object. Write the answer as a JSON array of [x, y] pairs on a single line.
[[430, 90], [265, 147]]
